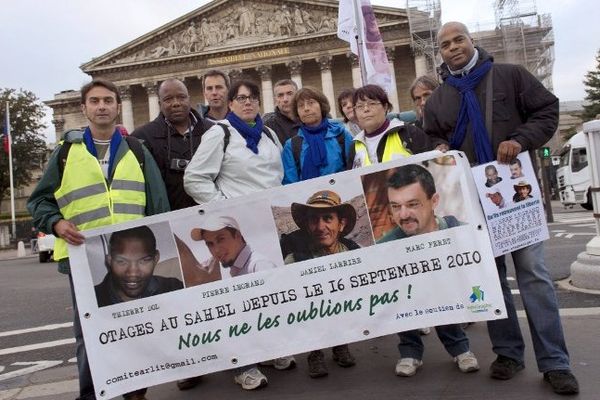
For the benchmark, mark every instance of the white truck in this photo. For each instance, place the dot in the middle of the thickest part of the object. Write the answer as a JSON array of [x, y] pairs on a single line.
[[573, 174], [45, 244]]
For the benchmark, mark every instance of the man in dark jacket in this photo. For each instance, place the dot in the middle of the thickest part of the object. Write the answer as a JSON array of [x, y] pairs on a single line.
[[173, 138], [493, 112], [283, 120]]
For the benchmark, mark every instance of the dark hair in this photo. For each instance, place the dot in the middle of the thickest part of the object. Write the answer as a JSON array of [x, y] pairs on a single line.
[[373, 92], [515, 161], [423, 80], [285, 82], [142, 233], [235, 88], [491, 168], [412, 173], [99, 82], [216, 72], [310, 93], [344, 94]]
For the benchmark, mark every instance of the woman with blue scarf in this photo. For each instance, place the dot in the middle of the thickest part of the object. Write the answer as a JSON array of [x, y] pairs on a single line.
[[237, 156], [321, 146]]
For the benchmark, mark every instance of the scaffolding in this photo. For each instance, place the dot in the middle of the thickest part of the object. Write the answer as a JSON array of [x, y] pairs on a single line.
[[527, 37], [424, 20]]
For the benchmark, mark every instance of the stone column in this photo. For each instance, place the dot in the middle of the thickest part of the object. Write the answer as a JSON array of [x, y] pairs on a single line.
[[235, 74], [266, 87], [327, 82], [356, 78], [127, 108], [153, 107], [393, 94], [59, 128], [420, 62], [295, 68]]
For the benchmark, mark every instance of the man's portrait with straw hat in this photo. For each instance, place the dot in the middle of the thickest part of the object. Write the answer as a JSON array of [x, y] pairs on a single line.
[[522, 191], [323, 223]]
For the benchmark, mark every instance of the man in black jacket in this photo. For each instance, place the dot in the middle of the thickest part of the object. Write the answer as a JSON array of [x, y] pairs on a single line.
[[173, 138], [493, 112], [283, 120]]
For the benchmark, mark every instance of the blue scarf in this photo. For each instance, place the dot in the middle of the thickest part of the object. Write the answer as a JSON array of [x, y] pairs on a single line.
[[471, 112], [315, 155], [115, 141], [252, 134]]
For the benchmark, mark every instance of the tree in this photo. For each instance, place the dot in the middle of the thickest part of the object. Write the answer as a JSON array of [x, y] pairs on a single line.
[[28, 146], [592, 81]]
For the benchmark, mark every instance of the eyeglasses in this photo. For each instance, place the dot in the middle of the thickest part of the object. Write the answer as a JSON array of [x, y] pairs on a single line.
[[363, 106], [242, 99]]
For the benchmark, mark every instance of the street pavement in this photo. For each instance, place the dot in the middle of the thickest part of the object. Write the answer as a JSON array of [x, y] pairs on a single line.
[[45, 302]]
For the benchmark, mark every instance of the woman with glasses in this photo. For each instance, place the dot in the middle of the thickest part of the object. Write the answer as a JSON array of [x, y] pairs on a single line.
[[237, 156], [381, 140], [321, 146]]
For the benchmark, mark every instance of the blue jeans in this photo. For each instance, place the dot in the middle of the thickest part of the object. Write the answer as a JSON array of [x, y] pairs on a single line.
[[86, 385], [539, 299], [453, 338]]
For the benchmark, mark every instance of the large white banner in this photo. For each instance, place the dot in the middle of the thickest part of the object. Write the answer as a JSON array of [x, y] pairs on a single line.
[[244, 280]]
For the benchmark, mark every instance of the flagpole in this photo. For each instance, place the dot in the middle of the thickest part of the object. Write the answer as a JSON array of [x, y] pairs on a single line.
[[360, 32], [10, 167]]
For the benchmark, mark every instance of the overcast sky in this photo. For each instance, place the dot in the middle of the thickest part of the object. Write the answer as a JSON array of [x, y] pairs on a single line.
[[43, 43]]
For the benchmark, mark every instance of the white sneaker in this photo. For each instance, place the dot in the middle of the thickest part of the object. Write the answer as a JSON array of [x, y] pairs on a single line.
[[282, 363], [251, 379], [425, 331], [407, 366], [467, 362]]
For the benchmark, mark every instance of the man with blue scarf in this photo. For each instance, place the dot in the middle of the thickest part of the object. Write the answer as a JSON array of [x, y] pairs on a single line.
[[98, 182], [493, 112]]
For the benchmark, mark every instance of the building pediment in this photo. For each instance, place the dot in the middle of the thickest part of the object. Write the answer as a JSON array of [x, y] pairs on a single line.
[[223, 26]]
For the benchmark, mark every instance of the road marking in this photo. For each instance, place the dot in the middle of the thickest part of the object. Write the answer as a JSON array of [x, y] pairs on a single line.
[[37, 329], [35, 346], [515, 291], [46, 389], [510, 278], [30, 367]]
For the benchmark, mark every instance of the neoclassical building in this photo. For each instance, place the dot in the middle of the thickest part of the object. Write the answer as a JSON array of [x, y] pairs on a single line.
[[265, 40]]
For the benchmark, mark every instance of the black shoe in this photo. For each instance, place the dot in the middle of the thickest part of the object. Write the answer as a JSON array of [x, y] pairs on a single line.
[[342, 356], [316, 364], [505, 368], [562, 381], [188, 383]]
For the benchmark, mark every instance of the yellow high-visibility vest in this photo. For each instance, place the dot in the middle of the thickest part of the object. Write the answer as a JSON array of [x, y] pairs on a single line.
[[393, 146], [85, 198]]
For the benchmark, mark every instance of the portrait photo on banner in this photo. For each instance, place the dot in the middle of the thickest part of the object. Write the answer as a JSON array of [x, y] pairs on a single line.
[[222, 242], [134, 263], [414, 199], [321, 219]]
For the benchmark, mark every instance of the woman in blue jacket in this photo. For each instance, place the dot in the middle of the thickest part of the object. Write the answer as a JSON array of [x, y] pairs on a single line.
[[321, 146]]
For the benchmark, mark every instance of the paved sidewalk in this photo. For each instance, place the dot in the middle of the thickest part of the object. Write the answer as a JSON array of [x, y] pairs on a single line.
[[373, 376]]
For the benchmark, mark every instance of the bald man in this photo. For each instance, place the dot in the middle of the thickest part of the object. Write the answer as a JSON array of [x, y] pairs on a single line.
[[503, 110], [173, 138]]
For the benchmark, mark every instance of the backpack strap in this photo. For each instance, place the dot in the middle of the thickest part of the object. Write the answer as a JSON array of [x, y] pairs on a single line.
[[226, 137], [341, 139], [63, 153], [136, 148]]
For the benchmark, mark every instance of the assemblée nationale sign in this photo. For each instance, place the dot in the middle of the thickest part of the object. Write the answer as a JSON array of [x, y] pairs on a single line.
[[257, 55], [195, 311]]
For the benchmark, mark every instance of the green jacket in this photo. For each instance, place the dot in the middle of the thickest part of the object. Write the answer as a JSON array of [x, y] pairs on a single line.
[[45, 211]]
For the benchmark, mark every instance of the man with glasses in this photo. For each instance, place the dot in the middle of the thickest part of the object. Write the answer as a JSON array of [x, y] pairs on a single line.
[[173, 138], [412, 200]]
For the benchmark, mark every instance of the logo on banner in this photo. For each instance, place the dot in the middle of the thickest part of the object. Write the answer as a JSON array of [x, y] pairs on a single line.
[[477, 294], [476, 298]]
